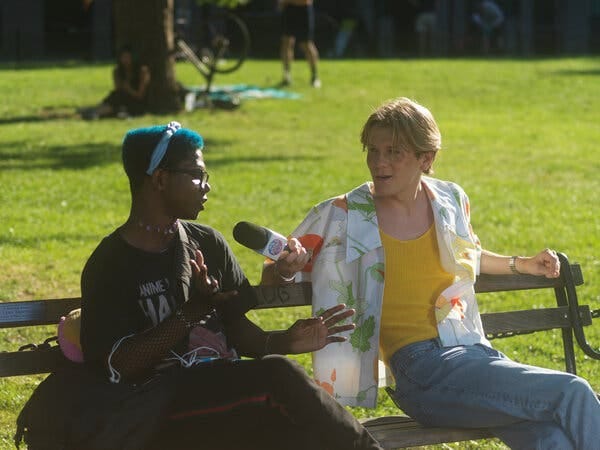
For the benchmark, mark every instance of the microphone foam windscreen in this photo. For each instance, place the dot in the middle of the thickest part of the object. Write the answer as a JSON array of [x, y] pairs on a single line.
[[251, 235]]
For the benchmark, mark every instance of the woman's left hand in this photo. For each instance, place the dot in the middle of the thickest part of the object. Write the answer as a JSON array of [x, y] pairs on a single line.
[[308, 335]]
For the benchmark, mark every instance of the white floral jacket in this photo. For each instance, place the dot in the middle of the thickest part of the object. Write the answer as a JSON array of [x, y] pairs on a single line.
[[347, 266]]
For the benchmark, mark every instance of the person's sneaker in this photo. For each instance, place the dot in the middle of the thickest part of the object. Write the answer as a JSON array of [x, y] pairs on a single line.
[[316, 83], [123, 113], [286, 80], [89, 114], [190, 101]]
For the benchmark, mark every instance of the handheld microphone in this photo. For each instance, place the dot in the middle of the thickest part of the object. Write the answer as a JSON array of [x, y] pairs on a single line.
[[260, 239]]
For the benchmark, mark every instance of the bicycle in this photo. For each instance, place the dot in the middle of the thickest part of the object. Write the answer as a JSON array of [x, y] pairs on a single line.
[[220, 47]]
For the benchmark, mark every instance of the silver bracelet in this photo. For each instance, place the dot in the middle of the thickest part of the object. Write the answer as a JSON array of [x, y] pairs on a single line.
[[512, 265], [286, 279]]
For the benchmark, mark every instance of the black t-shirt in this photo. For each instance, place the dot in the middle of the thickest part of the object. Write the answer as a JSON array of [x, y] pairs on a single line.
[[126, 290]]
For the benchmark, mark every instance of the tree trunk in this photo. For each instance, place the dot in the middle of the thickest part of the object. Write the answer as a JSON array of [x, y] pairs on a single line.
[[147, 26]]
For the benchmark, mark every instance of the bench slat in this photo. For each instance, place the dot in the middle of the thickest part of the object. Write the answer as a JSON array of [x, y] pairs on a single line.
[[30, 362], [399, 431], [35, 312], [501, 324], [47, 312], [296, 294], [495, 283]]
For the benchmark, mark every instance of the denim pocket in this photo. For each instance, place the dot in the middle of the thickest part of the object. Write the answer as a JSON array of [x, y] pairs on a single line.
[[411, 364]]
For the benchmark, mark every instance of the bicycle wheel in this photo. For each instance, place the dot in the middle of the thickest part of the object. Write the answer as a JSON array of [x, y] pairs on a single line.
[[225, 42]]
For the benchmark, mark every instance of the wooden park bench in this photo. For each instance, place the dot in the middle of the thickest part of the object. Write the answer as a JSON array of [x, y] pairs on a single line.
[[396, 431]]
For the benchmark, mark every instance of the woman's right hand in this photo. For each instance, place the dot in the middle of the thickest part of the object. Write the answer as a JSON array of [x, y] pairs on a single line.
[[291, 260]]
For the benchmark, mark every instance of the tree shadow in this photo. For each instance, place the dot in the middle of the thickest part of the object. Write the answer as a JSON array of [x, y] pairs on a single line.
[[57, 157], [216, 155], [577, 72], [36, 242], [15, 155], [225, 161], [46, 114], [50, 64]]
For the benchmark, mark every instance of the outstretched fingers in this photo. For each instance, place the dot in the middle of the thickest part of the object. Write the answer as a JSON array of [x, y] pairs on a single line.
[[336, 314], [332, 318], [205, 284]]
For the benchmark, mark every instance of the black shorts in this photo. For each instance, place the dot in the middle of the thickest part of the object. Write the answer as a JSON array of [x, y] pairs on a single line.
[[299, 22]]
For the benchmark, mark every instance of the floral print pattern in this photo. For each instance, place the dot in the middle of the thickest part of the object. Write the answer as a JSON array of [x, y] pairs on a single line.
[[347, 266]]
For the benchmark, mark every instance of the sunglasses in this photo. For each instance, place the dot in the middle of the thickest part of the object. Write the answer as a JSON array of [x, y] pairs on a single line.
[[199, 176]]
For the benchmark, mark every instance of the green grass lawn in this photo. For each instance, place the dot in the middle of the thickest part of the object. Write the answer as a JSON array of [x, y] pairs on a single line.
[[521, 136]]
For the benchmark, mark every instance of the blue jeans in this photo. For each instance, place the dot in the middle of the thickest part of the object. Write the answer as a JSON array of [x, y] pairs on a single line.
[[475, 386]]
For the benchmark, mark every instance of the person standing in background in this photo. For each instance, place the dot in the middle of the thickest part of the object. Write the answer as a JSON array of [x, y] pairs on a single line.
[[298, 23], [425, 22], [489, 18]]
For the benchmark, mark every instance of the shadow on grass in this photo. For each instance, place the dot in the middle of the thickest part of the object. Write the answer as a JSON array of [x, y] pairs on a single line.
[[216, 154], [35, 242], [16, 156], [51, 64], [574, 72], [219, 162], [21, 155], [46, 114]]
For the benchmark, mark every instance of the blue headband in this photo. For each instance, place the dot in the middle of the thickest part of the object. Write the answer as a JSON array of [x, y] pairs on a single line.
[[161, 148]]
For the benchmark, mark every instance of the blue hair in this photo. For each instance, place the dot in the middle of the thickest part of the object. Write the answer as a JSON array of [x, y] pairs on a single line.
[[139, 144]]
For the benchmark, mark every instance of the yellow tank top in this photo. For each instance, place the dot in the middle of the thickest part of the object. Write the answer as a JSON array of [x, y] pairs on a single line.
[[414, 278]]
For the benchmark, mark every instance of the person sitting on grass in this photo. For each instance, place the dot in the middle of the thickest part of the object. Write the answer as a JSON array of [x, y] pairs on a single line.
[[400, 250], [128, 97]]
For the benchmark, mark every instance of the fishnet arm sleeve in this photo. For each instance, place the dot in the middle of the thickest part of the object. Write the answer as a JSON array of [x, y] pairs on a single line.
[[134, 356]]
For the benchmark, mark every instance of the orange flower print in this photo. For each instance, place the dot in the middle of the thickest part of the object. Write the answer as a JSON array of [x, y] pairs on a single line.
[[457, 305], [312, 243], [326, 385], [341, 202]]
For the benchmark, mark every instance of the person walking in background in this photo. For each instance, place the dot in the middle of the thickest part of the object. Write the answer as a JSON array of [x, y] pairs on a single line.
[[488, 18], [298, 24], [425, 23], [400, 249], [345, 14], [385, 20]]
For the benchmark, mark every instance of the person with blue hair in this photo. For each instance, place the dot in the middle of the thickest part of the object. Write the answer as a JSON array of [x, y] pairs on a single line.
[[164, 330]]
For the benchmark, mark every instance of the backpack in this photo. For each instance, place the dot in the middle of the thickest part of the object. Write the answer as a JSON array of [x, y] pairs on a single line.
[[75, 408]]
